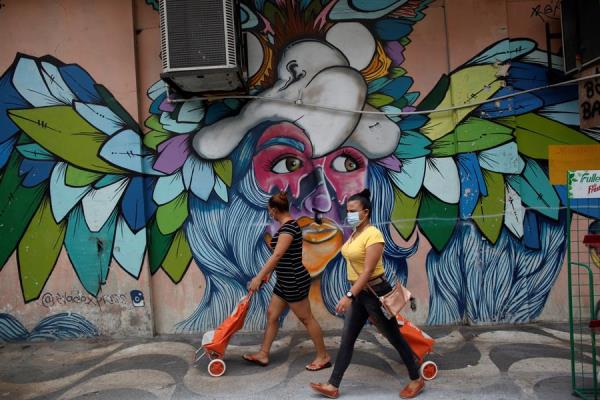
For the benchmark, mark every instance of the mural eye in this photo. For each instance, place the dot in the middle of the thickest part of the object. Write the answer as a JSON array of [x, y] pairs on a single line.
[[287, 165], [344, 164]]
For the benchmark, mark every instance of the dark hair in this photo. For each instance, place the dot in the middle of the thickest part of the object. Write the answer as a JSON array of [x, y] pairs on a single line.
[[280, 202], [364, 198]]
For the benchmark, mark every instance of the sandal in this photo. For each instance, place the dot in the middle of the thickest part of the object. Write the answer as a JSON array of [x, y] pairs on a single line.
[[317, 367], [254, 360], [409, 393], [320, 388]]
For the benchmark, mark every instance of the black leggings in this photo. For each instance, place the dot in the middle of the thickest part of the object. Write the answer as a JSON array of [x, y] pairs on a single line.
[[367, 305]]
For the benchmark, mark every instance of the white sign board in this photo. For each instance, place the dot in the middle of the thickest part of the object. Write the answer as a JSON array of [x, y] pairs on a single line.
[[584, 184]]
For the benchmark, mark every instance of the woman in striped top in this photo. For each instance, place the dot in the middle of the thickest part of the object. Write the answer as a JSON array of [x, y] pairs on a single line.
[[291, 287]]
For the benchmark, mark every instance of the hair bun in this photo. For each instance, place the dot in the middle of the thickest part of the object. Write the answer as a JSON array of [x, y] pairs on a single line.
[[280, 201], [366, 193]]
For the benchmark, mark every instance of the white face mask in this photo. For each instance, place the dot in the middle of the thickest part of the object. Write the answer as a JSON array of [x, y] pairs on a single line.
[[353, 218]]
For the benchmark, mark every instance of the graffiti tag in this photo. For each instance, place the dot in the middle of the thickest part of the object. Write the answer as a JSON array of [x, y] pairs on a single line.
[[49, 299], [589, 100], [591, 109], [548, 11]]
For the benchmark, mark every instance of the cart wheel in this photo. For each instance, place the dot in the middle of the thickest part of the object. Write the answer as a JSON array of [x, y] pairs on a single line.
[[216, 367], [429, 370]]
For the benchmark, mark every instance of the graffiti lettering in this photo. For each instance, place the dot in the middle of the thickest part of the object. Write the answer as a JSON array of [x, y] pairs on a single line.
[[590, 110], [49, 299], [589, 98], [550, 10], [592, 88]]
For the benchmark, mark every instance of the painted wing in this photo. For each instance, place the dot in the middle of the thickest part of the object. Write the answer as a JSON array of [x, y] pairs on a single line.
[[486, 163], [77, 171]]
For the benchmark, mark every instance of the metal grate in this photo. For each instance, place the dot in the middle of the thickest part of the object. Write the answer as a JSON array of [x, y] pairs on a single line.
[[230, 26], [584, 295], [164, 49], [193, 33]]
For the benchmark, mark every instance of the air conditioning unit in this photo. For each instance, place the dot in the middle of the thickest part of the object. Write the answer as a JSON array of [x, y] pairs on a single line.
[[202, 46]]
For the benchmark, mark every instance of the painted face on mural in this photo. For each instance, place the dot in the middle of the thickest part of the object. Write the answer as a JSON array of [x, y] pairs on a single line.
[[319, 157], [284, 160]]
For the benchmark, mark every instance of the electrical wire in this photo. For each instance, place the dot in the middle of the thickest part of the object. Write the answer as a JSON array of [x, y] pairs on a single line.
[[299, 101]]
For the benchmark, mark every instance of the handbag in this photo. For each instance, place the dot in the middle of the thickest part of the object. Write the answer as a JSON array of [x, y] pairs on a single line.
[[396, 299], [393, 301]]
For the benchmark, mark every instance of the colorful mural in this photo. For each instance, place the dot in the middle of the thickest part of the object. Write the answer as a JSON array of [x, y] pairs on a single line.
[[462, 167]]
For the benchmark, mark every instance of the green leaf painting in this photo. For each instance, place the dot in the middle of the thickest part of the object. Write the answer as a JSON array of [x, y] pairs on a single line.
[[437, 220], [178, 258], [489, 211], [17, 205], [38, 250], [63, 132]]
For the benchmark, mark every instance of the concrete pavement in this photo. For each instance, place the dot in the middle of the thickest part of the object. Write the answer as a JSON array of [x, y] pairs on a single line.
[[494, 362]]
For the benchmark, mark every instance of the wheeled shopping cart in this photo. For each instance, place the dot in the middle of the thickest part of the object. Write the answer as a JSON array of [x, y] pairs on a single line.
[[421, 344], [215, 342]]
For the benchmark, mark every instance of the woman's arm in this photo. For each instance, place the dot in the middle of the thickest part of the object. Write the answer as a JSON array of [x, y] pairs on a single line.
[[283, 244]]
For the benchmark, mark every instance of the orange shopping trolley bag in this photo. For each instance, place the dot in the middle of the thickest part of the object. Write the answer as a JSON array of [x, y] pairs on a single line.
[[421, 345], [214, 343]]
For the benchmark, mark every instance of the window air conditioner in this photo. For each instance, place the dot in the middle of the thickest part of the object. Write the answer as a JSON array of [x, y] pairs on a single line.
[[201, 46]]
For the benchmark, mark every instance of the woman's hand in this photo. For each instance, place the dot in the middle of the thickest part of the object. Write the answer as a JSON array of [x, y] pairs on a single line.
[[343, 305], [254, 284]]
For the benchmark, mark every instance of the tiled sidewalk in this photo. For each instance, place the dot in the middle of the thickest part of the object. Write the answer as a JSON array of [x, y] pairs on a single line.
[[509, 362]]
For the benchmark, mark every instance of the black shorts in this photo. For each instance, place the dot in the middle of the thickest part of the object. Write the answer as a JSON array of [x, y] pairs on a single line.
[[293, 287]]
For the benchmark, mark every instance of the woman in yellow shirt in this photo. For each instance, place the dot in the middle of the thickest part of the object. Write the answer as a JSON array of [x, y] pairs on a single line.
[[363, 253]]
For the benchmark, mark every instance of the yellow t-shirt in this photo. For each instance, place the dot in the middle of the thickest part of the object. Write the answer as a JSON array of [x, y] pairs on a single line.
[[355, 251]]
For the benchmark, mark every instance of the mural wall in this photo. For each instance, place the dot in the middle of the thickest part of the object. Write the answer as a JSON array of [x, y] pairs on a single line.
[[107, 186], [54, 262]]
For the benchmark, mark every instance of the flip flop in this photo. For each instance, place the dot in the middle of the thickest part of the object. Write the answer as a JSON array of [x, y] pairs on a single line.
[[253, 360], [317, 367]]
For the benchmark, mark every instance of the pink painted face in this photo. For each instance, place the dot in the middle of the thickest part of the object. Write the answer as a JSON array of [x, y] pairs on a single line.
[[284, 161]]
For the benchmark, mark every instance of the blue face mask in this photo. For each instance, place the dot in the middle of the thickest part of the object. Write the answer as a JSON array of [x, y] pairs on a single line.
[[353, 218]]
